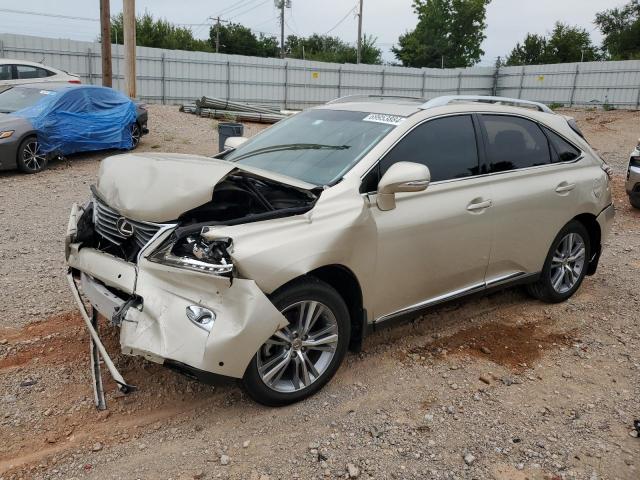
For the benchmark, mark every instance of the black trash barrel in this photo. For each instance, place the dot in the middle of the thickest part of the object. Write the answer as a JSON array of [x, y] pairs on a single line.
[[226, 130]]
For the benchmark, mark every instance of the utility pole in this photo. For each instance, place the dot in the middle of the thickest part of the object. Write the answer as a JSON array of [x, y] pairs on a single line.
[[129, 23], [105, 42], [282, 5], [218, 35], [360, 33]]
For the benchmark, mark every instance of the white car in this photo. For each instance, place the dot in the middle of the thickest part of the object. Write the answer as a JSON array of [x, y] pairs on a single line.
[[16, 72]]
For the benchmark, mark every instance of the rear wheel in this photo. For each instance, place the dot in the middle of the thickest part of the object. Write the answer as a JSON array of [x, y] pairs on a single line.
[[565, 266], [635, 200], [31, 159], [301, 358]]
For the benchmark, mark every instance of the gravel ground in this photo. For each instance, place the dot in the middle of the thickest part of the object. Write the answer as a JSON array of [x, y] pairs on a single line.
[[501, 387]]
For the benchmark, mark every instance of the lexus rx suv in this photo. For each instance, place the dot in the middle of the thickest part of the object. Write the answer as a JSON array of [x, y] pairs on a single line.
[[267, 262]]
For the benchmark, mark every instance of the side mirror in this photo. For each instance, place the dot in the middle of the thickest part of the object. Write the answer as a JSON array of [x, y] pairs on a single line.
[[234, 142], [401, 177]]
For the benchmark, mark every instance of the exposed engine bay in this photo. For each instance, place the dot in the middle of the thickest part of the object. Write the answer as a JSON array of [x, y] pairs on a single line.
[[240, 197]]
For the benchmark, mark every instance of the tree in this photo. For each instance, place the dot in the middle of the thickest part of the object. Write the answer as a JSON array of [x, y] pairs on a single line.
[[324, 48], [621, 30], [449, 31], [236, 39], [158, 34], [530, 52], [565, 44]]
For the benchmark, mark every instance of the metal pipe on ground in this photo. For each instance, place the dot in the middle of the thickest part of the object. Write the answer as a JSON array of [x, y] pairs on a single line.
[[220, 104], [242, 116]]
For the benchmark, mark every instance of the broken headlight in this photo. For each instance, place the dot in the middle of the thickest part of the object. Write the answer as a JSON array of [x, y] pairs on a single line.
[[195, 253]]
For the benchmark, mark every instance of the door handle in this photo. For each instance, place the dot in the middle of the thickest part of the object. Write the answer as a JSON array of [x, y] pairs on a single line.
[[565, 187], [472, 207]]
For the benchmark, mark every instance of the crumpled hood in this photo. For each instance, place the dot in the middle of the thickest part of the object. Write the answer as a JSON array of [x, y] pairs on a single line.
[[159, 187]]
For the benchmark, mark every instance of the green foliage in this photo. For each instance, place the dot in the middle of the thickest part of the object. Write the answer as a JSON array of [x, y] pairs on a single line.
[[621, 30], [324, 48], [531, 52], [565, 44], [453, 29], [236, 39], [158, 34], [556, 106]]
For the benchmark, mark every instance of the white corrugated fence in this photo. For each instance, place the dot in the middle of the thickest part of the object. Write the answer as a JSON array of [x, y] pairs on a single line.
[[176, 76]]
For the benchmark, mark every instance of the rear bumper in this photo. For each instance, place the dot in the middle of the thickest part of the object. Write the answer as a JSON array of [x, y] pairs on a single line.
[[632, 185], [605, 221], [149, 302]]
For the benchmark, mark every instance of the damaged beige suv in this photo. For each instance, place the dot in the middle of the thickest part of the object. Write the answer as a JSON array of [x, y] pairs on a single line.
[[269, 261]]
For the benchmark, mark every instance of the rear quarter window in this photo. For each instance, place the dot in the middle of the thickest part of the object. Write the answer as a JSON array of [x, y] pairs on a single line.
[[514, 143], [561, 150]]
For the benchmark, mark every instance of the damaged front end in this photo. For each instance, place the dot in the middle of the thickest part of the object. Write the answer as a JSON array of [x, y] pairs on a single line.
[[161, 277]]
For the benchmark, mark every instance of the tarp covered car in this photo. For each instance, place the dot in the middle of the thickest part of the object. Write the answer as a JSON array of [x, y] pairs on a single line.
[[37, 122]]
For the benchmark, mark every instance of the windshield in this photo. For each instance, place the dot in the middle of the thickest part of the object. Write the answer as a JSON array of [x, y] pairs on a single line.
[[18, 98], [316, 146]]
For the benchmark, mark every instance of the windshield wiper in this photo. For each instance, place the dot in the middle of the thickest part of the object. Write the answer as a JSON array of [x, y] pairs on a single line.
[[290, 146]]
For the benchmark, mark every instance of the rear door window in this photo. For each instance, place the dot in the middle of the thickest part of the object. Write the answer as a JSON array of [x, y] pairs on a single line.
[[446, 145], [29, 72], [561, 150], [513, 143]]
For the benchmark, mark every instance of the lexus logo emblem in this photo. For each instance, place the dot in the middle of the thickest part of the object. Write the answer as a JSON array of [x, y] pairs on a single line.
[[124, 227]]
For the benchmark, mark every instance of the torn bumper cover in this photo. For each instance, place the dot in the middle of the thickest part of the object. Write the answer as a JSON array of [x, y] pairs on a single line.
[[154, 304]]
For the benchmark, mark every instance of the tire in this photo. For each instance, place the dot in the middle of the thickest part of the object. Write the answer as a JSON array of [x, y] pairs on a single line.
[[635, 200], [29, 156], [136, 135], [564, 272], [288, 349]]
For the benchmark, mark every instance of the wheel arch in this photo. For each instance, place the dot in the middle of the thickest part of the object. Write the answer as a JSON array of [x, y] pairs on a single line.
[[345, 282], [590, 222]]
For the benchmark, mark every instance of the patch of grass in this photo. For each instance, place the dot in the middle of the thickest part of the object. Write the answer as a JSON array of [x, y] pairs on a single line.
[[607, 107], [556, 106]]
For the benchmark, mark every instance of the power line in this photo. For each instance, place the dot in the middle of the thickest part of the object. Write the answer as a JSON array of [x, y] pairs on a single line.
[[351, 10], [290, 28], [249, 10], [235, 6], [52, 15]]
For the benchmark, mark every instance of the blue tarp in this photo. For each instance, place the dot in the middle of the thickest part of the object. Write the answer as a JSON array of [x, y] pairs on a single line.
[[79, 119]]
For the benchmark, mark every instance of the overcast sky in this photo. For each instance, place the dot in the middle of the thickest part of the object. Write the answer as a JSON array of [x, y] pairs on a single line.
[[508, 20]]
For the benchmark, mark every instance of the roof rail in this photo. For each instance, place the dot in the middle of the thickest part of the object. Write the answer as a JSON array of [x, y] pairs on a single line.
[[447, 99], [372, 97]]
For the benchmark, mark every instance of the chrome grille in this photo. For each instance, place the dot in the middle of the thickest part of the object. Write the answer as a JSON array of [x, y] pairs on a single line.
[[105, 223]]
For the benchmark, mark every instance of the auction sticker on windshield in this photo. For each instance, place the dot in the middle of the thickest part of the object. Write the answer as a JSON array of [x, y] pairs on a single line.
[[381, 118]]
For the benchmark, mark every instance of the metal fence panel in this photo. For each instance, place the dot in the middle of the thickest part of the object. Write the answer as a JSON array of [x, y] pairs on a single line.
[[174, 76]]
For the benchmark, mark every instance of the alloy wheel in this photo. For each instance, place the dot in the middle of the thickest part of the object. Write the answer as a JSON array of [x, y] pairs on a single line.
[[135, 135], [568, 262], [33, 157], [298, 354]]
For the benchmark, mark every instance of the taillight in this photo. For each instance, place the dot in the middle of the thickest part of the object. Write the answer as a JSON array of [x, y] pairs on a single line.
[[76, 81]]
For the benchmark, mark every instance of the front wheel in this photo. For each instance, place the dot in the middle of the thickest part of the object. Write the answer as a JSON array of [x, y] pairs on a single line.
[[634, 200], [565, 266], [31, 159], [301, 358]]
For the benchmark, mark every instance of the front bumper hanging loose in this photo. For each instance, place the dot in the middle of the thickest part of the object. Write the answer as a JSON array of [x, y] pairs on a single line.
[[97, 351]]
